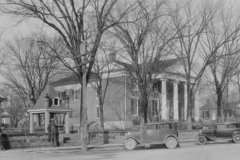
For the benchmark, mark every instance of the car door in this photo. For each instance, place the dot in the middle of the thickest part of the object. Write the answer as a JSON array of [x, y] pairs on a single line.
[[222, 131], [165, 130], [231, 129], [151, 134]]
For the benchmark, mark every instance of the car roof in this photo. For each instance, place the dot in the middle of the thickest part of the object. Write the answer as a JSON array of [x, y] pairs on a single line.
[[228, 123], [166, 122]]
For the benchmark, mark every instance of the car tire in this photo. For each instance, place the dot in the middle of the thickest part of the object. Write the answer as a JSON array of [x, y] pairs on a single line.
[[236, 138], [202, 140], [171, 142], [130, 144]]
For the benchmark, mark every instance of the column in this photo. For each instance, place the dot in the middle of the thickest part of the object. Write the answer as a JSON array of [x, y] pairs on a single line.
[[196, 109], [175, 101], [164, 100], [67, 123], [31, 122], [185, 101], [47, 117]]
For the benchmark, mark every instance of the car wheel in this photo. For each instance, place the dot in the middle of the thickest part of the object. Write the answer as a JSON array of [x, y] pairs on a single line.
[[236, 138], [130, 144], [171, 142], [202, 140]]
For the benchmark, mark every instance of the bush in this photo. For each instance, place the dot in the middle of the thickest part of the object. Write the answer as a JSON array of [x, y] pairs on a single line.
[[195, 125], [209, 124], [136, 121]]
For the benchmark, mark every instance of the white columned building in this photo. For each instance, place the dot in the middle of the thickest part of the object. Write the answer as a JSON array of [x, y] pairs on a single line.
[[175, 101], [164, 100], [185, 101]]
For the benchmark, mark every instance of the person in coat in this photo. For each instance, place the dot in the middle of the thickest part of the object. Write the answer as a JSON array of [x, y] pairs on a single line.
[[54, 134]]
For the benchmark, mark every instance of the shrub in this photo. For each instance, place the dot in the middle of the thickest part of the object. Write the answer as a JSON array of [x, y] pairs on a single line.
[[136, 121]]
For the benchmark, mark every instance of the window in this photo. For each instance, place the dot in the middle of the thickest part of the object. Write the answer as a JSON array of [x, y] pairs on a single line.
[[62, 95], [71, 114], [206, 114], [165, 126], [97, 96], [232, 126], [71, 94], [151, 127], [221, 127], [98, 110], [134, 85], [154, 103], [157, 86], [76, 95], [134, 105], [56, 101]]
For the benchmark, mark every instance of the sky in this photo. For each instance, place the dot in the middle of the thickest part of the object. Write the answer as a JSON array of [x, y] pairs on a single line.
[[11, 28]]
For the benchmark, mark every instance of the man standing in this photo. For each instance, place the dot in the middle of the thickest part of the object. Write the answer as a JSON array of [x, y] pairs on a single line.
[[54, 134]]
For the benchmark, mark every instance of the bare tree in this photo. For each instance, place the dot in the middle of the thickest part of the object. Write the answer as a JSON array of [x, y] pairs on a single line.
[[145, 45], [16, 110], [81, 25], [222, 41], [192, 22], [101, 70], [32, 67]]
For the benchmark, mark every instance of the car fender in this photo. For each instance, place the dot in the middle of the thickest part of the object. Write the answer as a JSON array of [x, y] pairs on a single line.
[[206, 136], [133, 138], [234, 133], [171, 135]]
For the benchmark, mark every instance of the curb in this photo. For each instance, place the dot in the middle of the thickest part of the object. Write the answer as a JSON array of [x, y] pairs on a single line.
[[89, 146], [71, 147]]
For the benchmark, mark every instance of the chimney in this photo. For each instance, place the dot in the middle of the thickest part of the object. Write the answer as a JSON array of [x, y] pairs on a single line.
[[112, 57]]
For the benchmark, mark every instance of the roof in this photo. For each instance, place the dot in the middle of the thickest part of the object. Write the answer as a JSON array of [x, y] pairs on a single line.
[[159, 66], [233, 105], [41, 101], [209, 106], [212, 106], [5, 114], [50, 110], [71, 79], [229, 123]]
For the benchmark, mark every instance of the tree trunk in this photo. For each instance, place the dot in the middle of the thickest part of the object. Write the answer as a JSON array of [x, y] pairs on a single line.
[[101, 118], [189, 107], [83, 119], [144, 107], [219, 105]]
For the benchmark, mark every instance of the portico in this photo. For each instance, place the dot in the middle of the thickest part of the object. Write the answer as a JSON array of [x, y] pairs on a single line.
[[49, 114], [48, 111], [173, 99]]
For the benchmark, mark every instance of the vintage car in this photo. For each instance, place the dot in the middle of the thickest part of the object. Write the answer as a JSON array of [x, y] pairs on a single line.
[[153, 133], [228, 131]]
